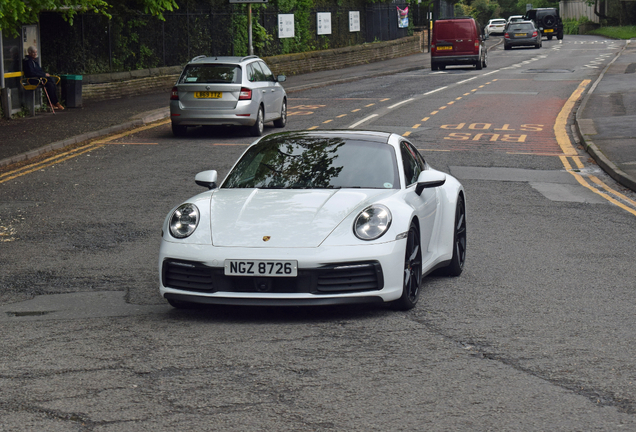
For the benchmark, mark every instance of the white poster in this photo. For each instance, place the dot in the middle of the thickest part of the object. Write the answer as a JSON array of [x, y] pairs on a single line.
[[323, 25], [285, 26], [354, 21]]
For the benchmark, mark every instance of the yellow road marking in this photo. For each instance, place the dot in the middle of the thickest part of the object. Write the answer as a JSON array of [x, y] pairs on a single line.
[[44, 164], [356, 110], [312, 128], [384, 100], [416, 126], [564, 142], [425, 119], [342, 115], [560, 130], [132, 131], [434, 112], [370, 105], [405, 134], [612, 191], [328, 121]]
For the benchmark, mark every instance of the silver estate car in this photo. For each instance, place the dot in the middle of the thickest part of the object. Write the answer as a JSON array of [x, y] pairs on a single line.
[[233, 91]]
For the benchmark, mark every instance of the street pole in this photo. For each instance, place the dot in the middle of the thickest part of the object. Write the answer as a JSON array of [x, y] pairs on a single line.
[[249, 29]]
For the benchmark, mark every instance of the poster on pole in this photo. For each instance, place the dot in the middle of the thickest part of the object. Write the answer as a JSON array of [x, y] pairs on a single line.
[[323, 23], [285, 26], [354, 21], [403, 17]]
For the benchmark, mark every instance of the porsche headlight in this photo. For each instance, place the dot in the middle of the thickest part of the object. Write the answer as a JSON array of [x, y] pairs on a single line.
[[184, 220], [372, 222]]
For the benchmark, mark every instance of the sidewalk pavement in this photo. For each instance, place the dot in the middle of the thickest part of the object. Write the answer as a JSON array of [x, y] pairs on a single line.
[[606, 119]]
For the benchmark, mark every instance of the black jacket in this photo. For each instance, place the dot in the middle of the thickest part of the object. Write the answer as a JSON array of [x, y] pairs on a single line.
[[31, 68]]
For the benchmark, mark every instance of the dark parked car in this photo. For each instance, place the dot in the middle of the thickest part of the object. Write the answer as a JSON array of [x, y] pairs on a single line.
[[522, 33], [547, 20]]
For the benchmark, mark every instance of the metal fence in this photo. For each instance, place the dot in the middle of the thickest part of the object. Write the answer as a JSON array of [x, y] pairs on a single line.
[[95, 44]]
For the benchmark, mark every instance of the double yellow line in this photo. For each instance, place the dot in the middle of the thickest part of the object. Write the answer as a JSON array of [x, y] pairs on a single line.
[[570, 152], [70, 154], [10, 175]]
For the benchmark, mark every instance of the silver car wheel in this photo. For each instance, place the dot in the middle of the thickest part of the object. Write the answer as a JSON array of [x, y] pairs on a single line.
[[257, 129]]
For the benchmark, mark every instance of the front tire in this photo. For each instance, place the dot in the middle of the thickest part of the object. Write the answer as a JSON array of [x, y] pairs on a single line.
[[257, 129], [412, 271], [456, 265]]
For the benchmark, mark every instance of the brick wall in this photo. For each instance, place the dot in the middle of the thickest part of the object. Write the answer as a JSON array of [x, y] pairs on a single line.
[[123, 84]]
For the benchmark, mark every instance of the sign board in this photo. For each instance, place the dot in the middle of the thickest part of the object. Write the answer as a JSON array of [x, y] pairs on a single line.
[[285, 26], [249, 1], [354, 21], [528, 7], [323, 23]]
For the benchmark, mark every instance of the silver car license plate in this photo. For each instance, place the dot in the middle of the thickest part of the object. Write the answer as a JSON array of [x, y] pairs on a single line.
[[270, 268]]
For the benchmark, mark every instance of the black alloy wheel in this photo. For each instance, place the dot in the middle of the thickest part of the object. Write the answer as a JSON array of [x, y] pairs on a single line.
[[412, 271], [456, 265]]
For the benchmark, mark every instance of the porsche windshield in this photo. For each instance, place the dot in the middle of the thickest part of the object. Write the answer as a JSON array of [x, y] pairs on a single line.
[[316, 163]]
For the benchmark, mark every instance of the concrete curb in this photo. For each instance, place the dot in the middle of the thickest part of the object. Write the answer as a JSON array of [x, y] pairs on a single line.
[[585, 128]]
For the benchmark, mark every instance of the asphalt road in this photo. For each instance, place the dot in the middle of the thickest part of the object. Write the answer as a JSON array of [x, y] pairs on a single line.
[[537, 333]]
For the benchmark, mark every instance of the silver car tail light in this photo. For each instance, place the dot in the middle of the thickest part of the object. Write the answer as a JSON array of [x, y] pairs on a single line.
[[245, 94]]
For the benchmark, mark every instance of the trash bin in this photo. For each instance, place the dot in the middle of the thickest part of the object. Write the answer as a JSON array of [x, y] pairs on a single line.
[[72, 90]]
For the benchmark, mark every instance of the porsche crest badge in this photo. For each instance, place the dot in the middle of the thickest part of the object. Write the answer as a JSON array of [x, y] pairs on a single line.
[[266, 238]]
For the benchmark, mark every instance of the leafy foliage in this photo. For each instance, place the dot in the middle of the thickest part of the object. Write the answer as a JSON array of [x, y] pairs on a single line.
[[14, 13]]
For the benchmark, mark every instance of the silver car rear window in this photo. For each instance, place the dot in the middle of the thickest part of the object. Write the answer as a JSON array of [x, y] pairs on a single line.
[[211, 74]]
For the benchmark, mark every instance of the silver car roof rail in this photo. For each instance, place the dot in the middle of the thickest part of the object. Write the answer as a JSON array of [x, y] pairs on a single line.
[[198, 58], [249, 57]]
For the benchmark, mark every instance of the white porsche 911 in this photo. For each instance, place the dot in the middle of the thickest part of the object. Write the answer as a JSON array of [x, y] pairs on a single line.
[[315, 218]]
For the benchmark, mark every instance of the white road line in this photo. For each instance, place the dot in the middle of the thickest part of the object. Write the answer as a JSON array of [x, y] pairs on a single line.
[[362, 121], [400, 103], [436, 90]]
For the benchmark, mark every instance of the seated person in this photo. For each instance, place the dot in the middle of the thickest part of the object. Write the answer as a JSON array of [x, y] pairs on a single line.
[[31, 69]]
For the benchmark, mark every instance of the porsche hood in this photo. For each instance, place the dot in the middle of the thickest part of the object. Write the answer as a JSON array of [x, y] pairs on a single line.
[[283, 218]]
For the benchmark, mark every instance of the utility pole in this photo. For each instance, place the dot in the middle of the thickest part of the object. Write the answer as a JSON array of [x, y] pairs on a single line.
[[250, 46]]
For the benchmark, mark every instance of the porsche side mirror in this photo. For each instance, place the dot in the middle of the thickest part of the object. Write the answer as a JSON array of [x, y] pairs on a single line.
[[429, 179], [206, 179], [281, 78]]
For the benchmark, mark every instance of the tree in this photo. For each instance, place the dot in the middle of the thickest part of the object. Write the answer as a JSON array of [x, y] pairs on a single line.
[[14, 13]]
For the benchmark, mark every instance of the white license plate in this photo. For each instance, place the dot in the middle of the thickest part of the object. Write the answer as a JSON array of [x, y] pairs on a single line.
[[271, 268]]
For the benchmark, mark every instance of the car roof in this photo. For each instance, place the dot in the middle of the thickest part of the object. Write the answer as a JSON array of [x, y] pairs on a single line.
[[462, 18], [497, 19], [223, 59], [374, 136]]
